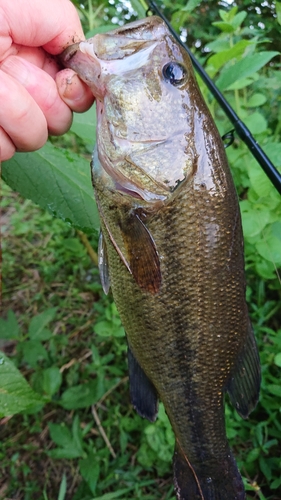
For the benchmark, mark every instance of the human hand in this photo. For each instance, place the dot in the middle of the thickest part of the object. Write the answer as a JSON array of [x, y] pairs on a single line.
[[35, 96]]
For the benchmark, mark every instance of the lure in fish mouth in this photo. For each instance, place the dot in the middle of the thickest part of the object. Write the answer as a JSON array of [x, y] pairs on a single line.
[[171, 247]]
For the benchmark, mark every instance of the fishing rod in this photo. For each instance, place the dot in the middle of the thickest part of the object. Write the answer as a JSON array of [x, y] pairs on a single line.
[[240, 127]]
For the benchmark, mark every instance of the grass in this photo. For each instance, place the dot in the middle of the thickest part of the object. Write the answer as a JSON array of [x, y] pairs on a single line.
[[82, 361], [86, 442]]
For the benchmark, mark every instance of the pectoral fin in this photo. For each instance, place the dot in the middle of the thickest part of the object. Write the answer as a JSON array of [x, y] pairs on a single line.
[[244, 385], [142, 254], [103, 264], [143, 393]]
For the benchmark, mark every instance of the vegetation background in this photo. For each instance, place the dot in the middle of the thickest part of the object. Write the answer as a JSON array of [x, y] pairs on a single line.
[[74, 434]]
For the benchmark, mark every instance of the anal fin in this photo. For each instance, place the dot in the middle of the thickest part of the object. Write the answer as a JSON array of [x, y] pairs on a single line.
[[143, 393], [244, 385]]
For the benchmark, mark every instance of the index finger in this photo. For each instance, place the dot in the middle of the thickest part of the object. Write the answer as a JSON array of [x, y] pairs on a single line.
[[52, 25]]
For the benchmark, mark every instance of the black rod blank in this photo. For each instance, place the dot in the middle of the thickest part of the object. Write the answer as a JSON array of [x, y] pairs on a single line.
[[240, 127]]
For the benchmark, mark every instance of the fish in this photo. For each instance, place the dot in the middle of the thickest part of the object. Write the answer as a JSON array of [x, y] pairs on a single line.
[[171, 247]]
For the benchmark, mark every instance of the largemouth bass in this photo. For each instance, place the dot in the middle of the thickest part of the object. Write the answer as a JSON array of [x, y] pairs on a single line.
[[171, 247]]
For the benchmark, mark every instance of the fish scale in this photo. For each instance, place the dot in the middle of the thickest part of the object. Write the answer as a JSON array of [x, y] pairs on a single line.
[[171, 248]]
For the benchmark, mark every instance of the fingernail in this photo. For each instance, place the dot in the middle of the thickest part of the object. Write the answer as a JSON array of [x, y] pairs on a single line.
[[73, 88]]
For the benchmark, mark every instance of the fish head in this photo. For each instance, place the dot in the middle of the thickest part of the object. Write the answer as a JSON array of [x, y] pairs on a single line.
[[146, 94]]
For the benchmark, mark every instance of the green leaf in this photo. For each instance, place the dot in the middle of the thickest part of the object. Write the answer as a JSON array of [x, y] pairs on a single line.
[[256, 100], [90, 471], [9, 328], [190, 6], [265, 468], [244, 68], [38, 323], [254, 221], [82, 395], [253, 455], [84, 125], [277, 482], [259, 180], [77, 433], [277, 359], [52, 380], [60, 434], [224, 15], [63, 488], [223, 26], [33, 352], [270, 249], [108, 329], [243, 83], [58, 181], [222, 57], [43, 335], [70, 444], [139, 8], [278, 11], [265, 269], [16, 394], [115, 494], [238, 19], [274, 389], [273, 150], [218, 45], [256, 122], [276, 229]]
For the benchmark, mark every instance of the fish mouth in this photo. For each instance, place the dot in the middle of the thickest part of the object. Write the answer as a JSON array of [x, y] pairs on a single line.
[[116, 52], [122, 60]]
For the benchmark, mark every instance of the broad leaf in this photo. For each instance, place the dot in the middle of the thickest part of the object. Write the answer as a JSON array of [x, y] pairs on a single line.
[[84, 125], [90, 471], [190, 6], [222, 57], [9, 328], [58, 181], [38, 323], [82, 395], [244, 68], [16, 394], [52, 379]]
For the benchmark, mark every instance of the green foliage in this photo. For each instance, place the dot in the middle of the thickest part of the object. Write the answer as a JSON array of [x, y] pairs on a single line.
[[234, 64], [58, 181], [15, 393], [66, 336]]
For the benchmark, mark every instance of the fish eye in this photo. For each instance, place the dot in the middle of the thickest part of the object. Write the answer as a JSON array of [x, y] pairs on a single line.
[[175, 73]]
